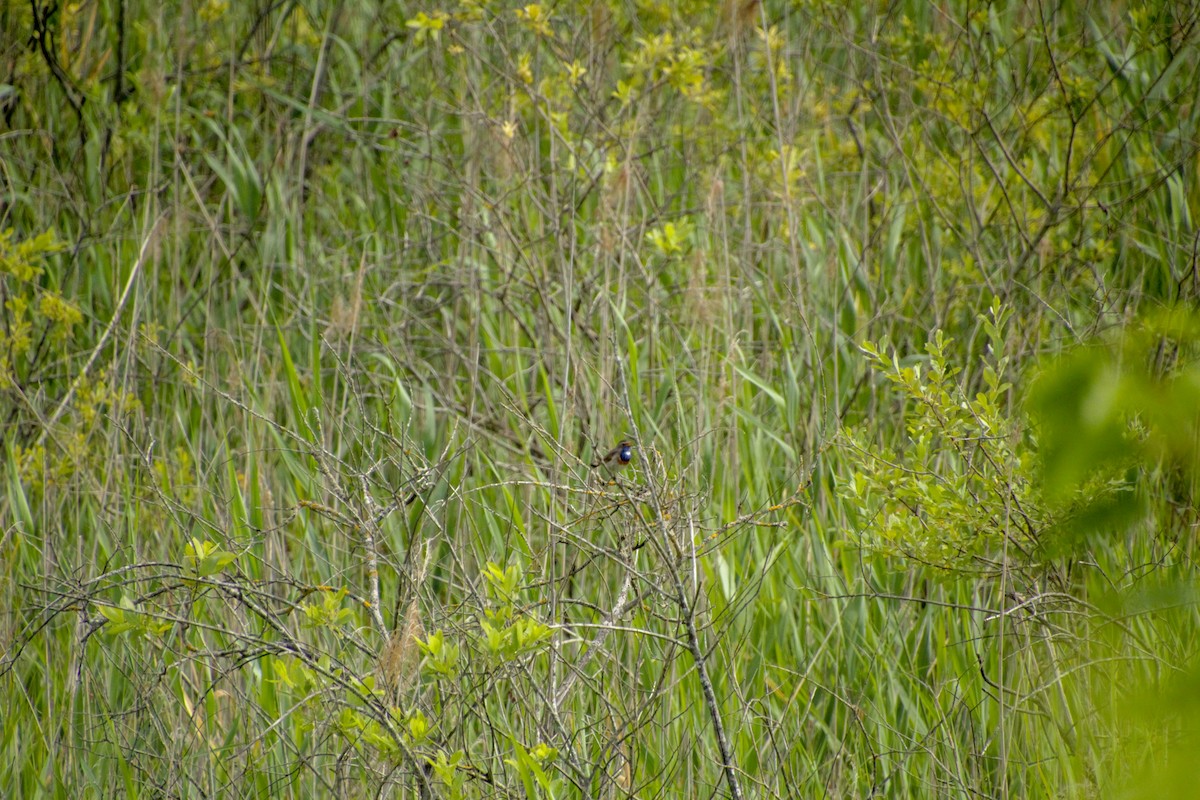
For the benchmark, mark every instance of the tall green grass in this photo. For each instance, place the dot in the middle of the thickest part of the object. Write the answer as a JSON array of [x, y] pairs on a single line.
[[409, 267]]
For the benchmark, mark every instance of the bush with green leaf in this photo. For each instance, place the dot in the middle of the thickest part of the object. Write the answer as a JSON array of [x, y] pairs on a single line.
[[961, 494]]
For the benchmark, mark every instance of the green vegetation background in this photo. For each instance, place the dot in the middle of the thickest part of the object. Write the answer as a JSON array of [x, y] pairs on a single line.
[[314, 315]]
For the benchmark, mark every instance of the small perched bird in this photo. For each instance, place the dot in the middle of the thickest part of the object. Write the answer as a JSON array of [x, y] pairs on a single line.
[[617, 458]]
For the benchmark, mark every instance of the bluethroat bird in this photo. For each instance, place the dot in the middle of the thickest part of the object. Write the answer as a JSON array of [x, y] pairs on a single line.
[[617, 458]]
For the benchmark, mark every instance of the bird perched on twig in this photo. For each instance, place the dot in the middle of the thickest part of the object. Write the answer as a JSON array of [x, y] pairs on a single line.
[[617, 458]]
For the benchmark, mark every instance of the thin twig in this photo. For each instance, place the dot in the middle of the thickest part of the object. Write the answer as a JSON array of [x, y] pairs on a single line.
[[685, 607]]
